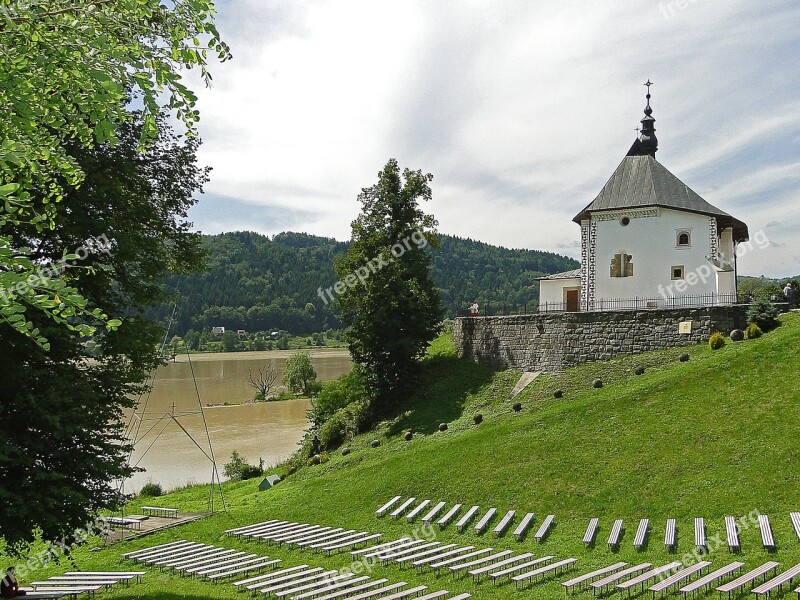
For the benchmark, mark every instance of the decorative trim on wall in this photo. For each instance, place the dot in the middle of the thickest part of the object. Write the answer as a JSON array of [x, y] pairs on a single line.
[[634, 213], [713, 235], [584, 262], [590, 287]]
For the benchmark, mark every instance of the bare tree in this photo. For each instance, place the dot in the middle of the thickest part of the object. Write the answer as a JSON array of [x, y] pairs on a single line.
[[264, 379]]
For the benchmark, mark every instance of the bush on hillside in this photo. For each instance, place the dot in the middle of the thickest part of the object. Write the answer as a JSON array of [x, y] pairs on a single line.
[[716, 340], [337, 394], [763, 313], [753, 331], [152, 490], [238, 469], [344, 424]]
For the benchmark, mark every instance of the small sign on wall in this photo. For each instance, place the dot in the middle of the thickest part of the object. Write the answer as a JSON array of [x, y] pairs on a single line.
[[685, 327]]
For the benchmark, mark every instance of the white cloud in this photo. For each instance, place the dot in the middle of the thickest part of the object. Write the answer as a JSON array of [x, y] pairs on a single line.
[[520, 109]]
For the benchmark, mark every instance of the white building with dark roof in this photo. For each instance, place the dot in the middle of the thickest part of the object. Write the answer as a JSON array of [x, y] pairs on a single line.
[[648, 241]]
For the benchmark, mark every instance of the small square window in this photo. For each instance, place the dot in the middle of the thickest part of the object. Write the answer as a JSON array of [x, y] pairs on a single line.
[[677, 272]]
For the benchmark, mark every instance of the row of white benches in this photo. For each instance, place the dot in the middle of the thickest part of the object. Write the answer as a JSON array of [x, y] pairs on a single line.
[[202, 560], [700, 540], [299, 582], [76, 583], [314, 537], [412, 509], [665, 578], [459, 560]]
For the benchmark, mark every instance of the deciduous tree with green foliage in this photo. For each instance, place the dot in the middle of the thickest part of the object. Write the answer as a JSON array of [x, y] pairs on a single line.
[[67, 73], [63, 409], [299, 374], [394, 313]]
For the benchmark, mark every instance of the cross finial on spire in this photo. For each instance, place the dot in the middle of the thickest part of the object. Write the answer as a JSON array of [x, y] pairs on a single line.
[[648, 84]]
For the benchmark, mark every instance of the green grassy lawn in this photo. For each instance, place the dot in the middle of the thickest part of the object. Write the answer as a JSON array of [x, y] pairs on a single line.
[[710, 437]]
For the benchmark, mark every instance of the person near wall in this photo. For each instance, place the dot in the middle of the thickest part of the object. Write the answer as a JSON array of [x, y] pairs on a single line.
[[789, 294], [9, 587], [473, 310]]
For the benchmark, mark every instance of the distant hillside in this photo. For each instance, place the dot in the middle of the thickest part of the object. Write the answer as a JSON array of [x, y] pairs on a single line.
[[256, 283]]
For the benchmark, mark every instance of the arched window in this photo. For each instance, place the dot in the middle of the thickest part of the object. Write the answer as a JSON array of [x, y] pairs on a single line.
[[684, 238]]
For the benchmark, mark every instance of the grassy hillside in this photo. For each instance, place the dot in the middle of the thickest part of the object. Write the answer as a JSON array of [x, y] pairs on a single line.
[[711, 437]]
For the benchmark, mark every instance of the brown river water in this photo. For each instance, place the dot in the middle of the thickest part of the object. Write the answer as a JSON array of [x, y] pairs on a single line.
[[268, 430]]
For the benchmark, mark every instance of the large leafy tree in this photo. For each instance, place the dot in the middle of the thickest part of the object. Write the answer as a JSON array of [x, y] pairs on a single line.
[[63, 439], [388, 300], [67, 70]]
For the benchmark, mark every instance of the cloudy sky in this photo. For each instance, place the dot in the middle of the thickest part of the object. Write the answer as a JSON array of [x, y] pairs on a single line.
[[521, 109]]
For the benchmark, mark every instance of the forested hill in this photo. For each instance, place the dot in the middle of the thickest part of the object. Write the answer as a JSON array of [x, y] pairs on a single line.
[[258, 283]]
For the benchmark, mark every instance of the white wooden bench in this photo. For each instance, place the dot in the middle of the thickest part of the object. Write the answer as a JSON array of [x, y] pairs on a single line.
[[641, 534], [383, 546], [382, 510], [310, 535], [616, 534], [244, 528], [591, 531], [350, 542], [417, 509], [268, 576], [766, 532], [456, 559], [430, 552], [391, 556], [448, 516], [402, 508], [315, 586], [435, 595], [586, 578], [176, 544], [669, 534], [486, 569], [321, 538], [522, 528], [552, 568], [406, 593], [379, 592], [777, 582], [795, 517], [492, 558], [276, 586], [504, 523], [128, 522], [278, 579], [160, 511], [347, 583], [544, 527], [700, 533], [706, 581], [437, 557], [748, 578], [648, 576], [732, 533], [207, 570], [244, 568], [462, 522], [611, 579], [484, 520], [679, 576], [378, 552], [354, 589], [509, 571], [431, 514]]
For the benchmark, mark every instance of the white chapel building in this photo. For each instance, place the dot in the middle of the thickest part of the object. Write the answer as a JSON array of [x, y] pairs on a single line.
[[648, 241]]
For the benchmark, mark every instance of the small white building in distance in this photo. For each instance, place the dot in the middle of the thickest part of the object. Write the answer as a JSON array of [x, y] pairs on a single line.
[[648, 241]]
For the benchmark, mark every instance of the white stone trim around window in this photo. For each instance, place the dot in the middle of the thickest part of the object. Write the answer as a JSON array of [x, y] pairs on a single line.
[[687, 231]]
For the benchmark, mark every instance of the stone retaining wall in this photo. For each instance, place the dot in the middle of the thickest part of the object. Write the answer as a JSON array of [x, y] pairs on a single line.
[[553, 341]]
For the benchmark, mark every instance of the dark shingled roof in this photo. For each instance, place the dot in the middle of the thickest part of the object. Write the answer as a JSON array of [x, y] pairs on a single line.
[[642, 181]]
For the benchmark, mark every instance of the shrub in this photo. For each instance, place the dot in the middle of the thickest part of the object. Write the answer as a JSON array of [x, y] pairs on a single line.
[[152, 490], [238, 468], [753, 331], [763, 313], [344, 424], [716, 340], [336, 395]]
